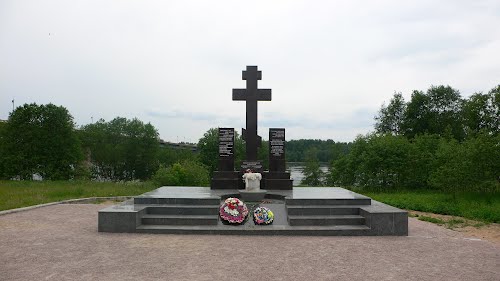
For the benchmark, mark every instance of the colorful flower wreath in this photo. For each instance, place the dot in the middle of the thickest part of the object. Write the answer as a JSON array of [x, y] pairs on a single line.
[[233, 210], [263, 215]]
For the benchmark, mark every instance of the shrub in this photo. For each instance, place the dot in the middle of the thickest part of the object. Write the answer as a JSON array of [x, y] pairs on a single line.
[[185, 173]]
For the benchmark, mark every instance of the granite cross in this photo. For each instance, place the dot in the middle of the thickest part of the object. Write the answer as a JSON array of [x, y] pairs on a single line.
[[251, 95]]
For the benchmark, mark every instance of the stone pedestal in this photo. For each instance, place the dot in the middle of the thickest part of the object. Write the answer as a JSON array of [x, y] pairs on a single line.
[[252, 181], [225, 180], [277, 180], [252, 185], [258, 195]]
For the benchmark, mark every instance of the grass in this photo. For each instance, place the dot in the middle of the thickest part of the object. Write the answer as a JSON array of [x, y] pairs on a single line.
[[476, 206], [450, 223], [17, 194], [431, 219]]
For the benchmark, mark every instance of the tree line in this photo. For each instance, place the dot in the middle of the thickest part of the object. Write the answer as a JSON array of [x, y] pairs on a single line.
[[43, 140], [435, 140]]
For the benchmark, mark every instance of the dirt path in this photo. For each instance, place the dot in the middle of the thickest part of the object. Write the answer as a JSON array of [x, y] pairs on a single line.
[[61, 242], [470, 228]]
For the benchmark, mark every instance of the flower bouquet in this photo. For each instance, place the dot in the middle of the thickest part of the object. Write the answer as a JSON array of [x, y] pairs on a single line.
[[233, 210], [263, 215]]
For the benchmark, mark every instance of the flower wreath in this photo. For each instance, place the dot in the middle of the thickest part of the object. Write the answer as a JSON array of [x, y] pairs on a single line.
[[233, 210], [263, 215]]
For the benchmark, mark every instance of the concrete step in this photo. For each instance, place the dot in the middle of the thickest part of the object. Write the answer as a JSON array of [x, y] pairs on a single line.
[[183, 209], [334, 230], [155, 219], [174, 201], [303, 202], [324, 220], [322, 210]]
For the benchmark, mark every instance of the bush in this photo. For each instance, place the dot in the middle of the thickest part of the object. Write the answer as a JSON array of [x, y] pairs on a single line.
[[185, 173]]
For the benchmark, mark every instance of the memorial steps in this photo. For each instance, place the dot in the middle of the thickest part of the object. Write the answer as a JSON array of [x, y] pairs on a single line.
[[180, 211], [303, 211]]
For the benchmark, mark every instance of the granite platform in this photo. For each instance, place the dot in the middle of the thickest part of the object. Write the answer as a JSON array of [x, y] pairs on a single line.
[[301, 211]]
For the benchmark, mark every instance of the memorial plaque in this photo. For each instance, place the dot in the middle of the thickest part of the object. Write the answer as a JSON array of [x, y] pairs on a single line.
[[277, 150], [226, 142], [226, 149], [255, 166]]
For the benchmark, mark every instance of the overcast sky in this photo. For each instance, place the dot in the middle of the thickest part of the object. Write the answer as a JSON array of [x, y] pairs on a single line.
[[330, 64]]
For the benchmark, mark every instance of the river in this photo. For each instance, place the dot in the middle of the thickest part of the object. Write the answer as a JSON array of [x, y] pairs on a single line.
[[297, 168]]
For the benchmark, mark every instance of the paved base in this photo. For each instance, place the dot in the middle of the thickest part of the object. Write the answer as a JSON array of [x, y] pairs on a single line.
[[62, 243], [328, 211], [252, 195]]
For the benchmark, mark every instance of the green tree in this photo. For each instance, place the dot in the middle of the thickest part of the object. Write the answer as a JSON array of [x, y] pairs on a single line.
[[385, 162], [345, 170], [185, 173], [263, 154], [473, 165], [313, 175], [390, 118], [481, 112], [168, 156], [436, 112], [327, 150], [121, 149], [3, 167], [208, 147], [422, 160], [40, 139]]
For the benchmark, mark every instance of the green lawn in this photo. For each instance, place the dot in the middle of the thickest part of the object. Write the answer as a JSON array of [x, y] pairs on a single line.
[[478, 206], [16, 194]]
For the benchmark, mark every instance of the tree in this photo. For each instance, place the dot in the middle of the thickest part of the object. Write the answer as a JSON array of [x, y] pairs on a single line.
[[313, 175], [481, 112], [263, 154], [40, 139], [208, 147], [185, 173], [422, 160], [473, 165], [327, 150], [385, 161], [436, 112], [168, 156], [3, 167], [344, 171], [121, 149], [390, 118]]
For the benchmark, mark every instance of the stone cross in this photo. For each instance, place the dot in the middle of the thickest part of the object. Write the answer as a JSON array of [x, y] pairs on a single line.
[[251, 95]]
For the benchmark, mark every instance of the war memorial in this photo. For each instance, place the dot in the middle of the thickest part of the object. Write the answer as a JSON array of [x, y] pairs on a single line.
[[236, 194]]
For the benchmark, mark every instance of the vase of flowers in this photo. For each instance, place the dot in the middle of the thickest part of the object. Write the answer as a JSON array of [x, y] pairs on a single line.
[[233, 211]]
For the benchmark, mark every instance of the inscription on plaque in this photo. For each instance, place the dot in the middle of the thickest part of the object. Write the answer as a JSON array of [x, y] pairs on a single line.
[[277, 150], [226, 149], [277, 143], [255, 166], [226, 142]]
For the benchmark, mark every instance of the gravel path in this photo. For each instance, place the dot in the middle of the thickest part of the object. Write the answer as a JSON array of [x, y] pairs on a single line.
[[61, 242]]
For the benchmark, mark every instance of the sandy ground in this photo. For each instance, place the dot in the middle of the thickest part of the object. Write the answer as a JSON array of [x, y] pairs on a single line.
[[471, 228], [61, 242]]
